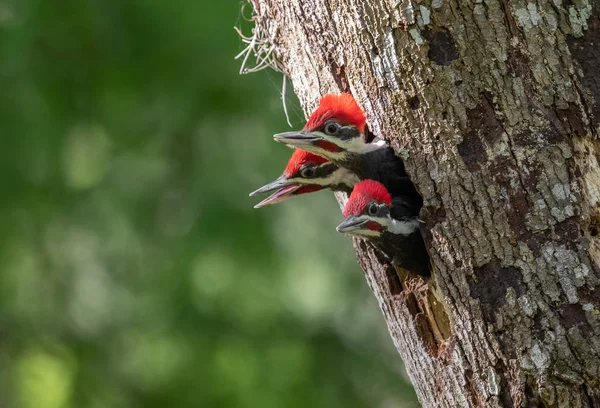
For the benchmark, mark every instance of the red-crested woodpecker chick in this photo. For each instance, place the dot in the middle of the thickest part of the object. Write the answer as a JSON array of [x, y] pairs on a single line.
[[337, 131], [392, 224], [307, 173]]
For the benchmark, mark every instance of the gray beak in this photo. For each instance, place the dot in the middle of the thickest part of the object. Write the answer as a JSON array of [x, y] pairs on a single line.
[[282, 181], [280, 195], [298, 138], [352, 224]]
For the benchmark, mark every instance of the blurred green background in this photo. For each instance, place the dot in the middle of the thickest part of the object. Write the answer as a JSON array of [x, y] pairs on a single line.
[[134, 270]]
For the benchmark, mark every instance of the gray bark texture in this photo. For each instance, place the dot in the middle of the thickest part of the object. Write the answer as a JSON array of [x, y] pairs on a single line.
[[495, 107]]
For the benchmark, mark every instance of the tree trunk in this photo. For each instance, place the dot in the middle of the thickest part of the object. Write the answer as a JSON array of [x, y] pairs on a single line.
[[495, 107]]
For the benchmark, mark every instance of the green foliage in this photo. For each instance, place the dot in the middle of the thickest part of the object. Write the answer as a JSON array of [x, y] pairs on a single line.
[[134, 270]]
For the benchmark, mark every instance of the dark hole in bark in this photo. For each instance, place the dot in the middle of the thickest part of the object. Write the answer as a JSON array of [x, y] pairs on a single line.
[[414, 102], [594, 224], [410, 253], [442, 49], [375, 51]]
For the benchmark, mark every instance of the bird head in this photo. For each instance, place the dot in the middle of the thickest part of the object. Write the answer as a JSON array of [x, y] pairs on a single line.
[[305, 173], [336, 127], [368, 213]]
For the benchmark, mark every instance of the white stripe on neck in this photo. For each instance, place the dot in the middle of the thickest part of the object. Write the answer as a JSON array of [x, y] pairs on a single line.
[[403, 227], [358, 145]]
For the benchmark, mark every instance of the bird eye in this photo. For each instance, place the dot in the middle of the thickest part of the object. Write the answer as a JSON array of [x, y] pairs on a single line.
[[332, 128], [373, 209], [308, 172]]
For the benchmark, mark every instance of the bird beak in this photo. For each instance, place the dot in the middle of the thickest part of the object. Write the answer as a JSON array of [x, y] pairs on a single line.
[[280, 195], [297, 138], [281, 182], [352, 225]]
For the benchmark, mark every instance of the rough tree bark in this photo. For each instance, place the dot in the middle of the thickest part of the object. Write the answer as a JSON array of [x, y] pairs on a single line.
[[495, 106]]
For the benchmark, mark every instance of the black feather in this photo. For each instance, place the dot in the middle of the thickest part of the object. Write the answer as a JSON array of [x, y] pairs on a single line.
[[406, 251]]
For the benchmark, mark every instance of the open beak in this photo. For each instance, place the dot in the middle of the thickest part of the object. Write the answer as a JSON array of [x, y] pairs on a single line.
[[298, 138], [280, 195], [352, 225], [281, 182]]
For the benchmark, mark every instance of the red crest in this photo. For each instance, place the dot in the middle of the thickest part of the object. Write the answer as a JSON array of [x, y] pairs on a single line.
[[341, 107], [363, 193], [300, 158]]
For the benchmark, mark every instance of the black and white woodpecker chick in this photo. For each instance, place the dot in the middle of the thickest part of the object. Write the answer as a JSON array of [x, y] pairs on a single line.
[[392, 224], [337, 131], [307, 173]]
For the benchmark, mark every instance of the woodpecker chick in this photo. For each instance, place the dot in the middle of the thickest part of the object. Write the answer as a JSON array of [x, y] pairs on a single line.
[[391, 224], [307, 173], [337, 131]]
